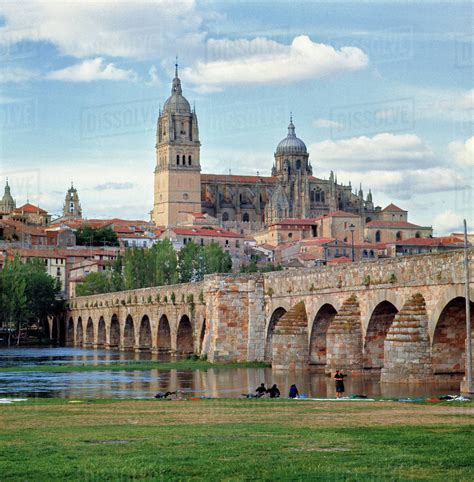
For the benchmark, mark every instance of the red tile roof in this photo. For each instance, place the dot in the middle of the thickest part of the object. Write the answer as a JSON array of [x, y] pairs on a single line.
[[316, 241], [294, 222], [394, 224], [30, 209], [206, 232], [240, 179], [440, 241], [337, 214], [392, 208], [342, 259]]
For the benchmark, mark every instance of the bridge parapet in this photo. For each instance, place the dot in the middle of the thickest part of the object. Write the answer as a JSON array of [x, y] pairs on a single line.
[[406, 271]]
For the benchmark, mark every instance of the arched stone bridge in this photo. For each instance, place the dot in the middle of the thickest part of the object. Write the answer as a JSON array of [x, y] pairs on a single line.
[[403, 317]]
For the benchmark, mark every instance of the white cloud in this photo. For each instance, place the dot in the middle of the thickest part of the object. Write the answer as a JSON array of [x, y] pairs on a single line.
[[463, 152], [447, 222], [408, 183], [118, 29], [16, 75], [328, 123], [94, 69], [303, 59], [383, 151], [153, 73]]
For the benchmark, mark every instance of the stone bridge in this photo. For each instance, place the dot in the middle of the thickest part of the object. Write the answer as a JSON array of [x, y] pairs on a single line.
[[401, 317]]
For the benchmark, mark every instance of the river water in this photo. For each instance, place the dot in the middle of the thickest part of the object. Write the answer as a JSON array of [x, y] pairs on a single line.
[[223, 382]]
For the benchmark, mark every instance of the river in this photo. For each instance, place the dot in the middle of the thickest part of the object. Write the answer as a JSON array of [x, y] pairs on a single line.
[[223, 382]]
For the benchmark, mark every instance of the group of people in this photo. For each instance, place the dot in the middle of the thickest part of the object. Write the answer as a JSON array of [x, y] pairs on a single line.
[[274, 392]]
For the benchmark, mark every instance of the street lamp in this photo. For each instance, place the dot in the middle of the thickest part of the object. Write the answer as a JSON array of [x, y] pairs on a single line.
[[352, 229]]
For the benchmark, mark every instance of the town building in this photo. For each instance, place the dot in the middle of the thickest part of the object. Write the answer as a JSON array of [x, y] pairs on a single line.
[[7, 203]]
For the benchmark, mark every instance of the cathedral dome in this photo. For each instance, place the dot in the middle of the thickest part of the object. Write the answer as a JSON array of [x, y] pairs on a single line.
[[291, 144], [176, 102]]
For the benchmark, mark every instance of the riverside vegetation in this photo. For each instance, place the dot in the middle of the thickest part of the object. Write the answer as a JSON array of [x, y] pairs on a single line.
[[58, 439]]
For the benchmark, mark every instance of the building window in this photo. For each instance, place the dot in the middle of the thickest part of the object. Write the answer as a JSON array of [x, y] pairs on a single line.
[[399, 236], [246, 218], [226, 243], [202, 242], [372, 254], [185, 240], [417, 234], [177, 159], [377, 237], [225, 217], [237, 244], [189, 160], [298, 164]]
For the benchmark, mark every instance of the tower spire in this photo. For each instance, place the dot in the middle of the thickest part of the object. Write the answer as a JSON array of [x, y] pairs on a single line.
[[176, 68]]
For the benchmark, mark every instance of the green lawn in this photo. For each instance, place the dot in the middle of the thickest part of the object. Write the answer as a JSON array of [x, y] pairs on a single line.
[[235, 440], [139, 365]]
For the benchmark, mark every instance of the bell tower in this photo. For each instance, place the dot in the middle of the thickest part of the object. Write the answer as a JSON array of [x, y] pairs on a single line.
[[177, 190]]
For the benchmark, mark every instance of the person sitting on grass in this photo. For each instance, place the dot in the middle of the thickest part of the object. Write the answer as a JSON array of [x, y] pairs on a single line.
[[293, 393], [274, 392], [261, 390]]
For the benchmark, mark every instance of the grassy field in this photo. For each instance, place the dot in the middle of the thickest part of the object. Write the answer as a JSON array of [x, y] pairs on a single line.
[[235, 440], [133, 365]]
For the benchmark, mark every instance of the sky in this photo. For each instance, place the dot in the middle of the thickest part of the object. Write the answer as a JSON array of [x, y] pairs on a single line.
[[381, 93]]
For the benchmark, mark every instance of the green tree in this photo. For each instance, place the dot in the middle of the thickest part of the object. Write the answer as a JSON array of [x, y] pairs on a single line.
[[95, 283], [189, 261], [89, 236], [166, 263], [14, 302], [41, 292], [216, 260]]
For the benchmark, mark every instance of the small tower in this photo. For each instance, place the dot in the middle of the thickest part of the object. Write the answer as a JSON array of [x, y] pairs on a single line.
[[178, 170], [7, 204], [72, 207]]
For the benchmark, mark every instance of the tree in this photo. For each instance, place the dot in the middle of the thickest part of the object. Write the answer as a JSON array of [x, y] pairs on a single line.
[[189, 261], [89, 236], [166, 263], [14, 302], [41, 291], [95, 283], [216, 260]]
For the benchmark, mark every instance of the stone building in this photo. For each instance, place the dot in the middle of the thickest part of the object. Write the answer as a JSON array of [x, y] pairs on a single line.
[[72, 207], [251, 203], [7, 204]]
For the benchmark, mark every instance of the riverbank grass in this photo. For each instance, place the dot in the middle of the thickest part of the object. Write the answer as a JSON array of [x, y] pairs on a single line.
[[190, 364], [235, 440]]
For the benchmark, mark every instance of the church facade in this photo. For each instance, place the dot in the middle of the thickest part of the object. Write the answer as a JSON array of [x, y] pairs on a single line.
[[291, 191]]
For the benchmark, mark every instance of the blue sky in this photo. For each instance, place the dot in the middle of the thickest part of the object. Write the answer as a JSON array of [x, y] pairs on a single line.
[[381, 92]]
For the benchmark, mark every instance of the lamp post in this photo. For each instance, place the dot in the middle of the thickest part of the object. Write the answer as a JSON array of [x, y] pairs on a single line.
[[352, 229], [466, 386]]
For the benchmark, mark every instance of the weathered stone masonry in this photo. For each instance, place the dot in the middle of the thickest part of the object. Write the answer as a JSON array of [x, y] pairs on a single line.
[[402, 318]]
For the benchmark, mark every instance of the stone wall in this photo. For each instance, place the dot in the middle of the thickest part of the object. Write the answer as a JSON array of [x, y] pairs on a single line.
[[382, 315]]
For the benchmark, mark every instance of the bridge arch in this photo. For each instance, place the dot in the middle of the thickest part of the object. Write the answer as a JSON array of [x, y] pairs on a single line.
[[317, 342], [380, 321], [114, 333], [449, 337], [144, 336], [79, 333], [276, 315], [55, 328], [163, 343], [101, 336], [70, 331], [184, 336], [202, 336], [128, 334], [89, 332]]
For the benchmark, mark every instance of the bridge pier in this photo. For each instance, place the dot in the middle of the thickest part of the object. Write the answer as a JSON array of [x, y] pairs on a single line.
[[407, 350], [344, 340]]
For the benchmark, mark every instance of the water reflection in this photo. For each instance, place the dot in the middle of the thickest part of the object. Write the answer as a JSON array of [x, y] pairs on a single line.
[[145, 383]]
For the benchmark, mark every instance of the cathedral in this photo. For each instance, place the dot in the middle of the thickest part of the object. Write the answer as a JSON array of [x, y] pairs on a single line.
[[291, 191]]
